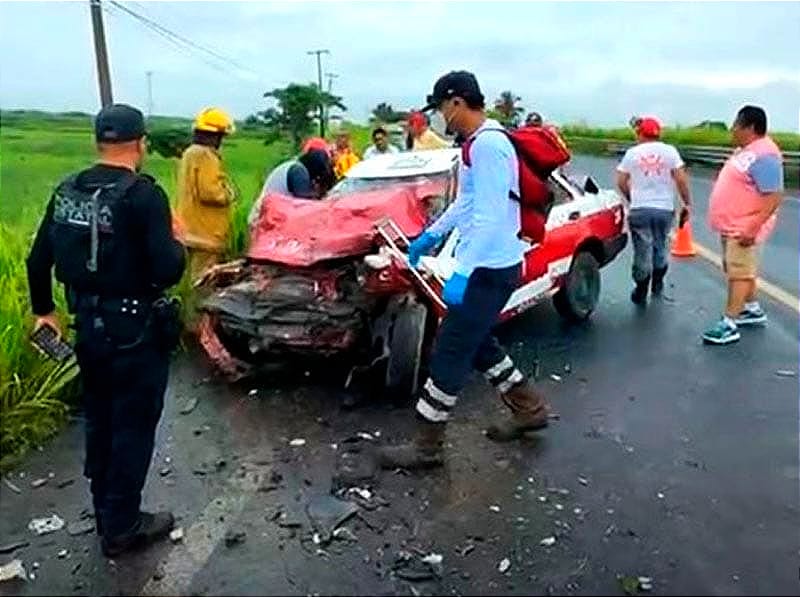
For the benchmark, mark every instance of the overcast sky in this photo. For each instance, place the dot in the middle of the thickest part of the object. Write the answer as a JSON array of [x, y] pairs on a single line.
[[598, 61]]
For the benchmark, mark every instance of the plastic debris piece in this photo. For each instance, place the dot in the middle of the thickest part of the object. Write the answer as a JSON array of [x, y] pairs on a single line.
[[62, 554], [14, 569], [583, 481], [577, 511], [252, 392], [548, 541], [786, 373], [504, 565], [543, 498], [176, 535], [364, 494], [494, 508], [366, 436], [43, 526], [559, 507], [189, 406], [39, 482], [645, 583], [660, 495], [555, 377], [11, 486], [327, 513], [434, 559], [297, 442]]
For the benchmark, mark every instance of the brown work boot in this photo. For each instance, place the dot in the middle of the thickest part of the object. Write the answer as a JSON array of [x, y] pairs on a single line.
[[148, 529], [529, 412], [424, 451]]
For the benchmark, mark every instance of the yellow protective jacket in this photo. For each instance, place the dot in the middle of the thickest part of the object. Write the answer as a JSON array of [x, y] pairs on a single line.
[[343, 162], [205, 197]]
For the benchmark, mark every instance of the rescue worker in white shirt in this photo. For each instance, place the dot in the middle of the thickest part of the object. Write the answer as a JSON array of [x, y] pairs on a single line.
[[647, 177], [488, 269]]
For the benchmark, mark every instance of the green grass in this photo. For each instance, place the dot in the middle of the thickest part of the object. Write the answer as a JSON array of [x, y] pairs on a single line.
[[35, 154]]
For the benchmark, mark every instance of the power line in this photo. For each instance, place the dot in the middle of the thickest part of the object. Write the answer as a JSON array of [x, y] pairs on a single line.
[[183, 48], [158, 27]]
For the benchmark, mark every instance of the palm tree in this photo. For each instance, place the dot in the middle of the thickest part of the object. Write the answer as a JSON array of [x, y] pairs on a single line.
[[508, 110]]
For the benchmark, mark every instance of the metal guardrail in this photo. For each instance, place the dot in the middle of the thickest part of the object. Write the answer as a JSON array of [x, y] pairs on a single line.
[[707, 155]]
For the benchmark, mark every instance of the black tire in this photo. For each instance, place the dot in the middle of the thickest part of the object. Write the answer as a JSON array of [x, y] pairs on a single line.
[[407, 334], [577, 299]]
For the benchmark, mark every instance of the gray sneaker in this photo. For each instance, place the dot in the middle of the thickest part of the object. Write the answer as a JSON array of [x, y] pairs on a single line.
[[752, 317]]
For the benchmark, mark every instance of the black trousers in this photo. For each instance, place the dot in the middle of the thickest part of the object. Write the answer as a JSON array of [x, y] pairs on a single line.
[[123, 393], [465, 342]]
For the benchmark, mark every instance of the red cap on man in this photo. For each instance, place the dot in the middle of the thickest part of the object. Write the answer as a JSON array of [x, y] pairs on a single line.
[[649, 127]]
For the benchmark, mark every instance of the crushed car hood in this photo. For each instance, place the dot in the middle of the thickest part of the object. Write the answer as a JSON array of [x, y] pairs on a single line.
[[302, 232]]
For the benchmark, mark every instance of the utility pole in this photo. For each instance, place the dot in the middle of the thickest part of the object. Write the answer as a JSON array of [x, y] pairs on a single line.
[[100, 53], [149, 93], [319, 54], [330, 77]]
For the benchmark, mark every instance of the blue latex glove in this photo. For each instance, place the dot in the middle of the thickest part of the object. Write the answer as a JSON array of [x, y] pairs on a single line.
[[454, 289], [421, 246]]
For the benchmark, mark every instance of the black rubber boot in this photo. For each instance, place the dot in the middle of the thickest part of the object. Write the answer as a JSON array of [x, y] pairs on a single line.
[[639, 294], [148, 529], [529, 412], [424, 451], [658, 281]]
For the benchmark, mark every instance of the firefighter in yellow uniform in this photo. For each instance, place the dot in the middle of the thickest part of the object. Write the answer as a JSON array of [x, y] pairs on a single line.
[[205, 194]]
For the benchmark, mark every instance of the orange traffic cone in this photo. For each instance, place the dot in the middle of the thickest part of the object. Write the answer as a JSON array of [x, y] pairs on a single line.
[[682, 244]]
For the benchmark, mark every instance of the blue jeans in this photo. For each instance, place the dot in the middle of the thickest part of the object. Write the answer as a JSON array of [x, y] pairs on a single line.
[[649, 233]]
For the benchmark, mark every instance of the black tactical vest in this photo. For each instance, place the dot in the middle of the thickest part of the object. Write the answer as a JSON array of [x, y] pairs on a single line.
[[86, 232]]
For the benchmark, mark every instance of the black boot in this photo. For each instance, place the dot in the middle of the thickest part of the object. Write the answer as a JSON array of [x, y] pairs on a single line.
[[658, 281], [424, 451], [148, 529], [639, 294]]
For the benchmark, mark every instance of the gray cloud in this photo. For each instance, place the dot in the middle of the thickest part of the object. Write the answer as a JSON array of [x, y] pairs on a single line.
[[597, 61]]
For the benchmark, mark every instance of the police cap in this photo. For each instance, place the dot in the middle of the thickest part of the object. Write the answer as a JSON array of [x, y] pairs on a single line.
[[119, 123]]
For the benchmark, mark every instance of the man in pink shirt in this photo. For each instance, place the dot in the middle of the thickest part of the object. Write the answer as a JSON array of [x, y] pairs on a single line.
[[742, 208]]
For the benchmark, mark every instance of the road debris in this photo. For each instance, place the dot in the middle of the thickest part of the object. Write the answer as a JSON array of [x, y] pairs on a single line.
[[559, 507], [80, 527], [645, 583], [365, 436], [364, 494], [189, 406], [786, 373], [660, 495], [583, 481], [176, 535], [327, 513], [65, 483], [548, 541], [555, 377], [14, 569], [234, 538], [252, 393], [494, 508], [165, 471], [12, 547], [413, 568], [543, 498], [44, 526], [344, 534], [35, 484], [504, 565], [62, 554], [297, 442], [11, 486]]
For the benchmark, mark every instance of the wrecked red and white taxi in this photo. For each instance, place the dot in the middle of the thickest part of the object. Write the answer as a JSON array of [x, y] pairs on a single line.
[[327, 280]]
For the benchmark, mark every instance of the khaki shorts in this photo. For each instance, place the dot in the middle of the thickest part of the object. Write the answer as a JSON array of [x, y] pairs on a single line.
[[738, 262]]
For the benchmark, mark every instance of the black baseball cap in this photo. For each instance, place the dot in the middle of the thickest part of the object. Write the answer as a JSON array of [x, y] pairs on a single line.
[[119, 123], [458, 83]]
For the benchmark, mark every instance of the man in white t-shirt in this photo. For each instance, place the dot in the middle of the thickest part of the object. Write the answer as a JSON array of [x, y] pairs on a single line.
[[380, 144], [647, 177]]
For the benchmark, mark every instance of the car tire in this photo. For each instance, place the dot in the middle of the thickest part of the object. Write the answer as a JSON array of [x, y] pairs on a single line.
[[580, 292], [407, 333]]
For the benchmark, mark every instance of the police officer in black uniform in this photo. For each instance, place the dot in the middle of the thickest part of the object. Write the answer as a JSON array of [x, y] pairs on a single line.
[[108, 233]]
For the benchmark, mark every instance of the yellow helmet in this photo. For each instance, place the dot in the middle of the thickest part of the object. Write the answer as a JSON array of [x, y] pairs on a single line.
[[214, 120]]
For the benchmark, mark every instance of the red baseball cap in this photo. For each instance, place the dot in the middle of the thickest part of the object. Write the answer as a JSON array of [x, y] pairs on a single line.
[[315, 143], [649, 127]]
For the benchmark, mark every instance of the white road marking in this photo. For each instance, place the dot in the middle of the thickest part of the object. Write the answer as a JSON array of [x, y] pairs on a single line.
[[199, 541], [771, 290]]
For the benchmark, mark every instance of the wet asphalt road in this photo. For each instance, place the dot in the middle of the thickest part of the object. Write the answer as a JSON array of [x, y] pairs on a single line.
[[671, 460], [779, 260]]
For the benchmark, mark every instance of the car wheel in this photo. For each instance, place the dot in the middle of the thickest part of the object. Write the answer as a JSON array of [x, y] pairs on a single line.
[[578, 297], [406, 336]]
